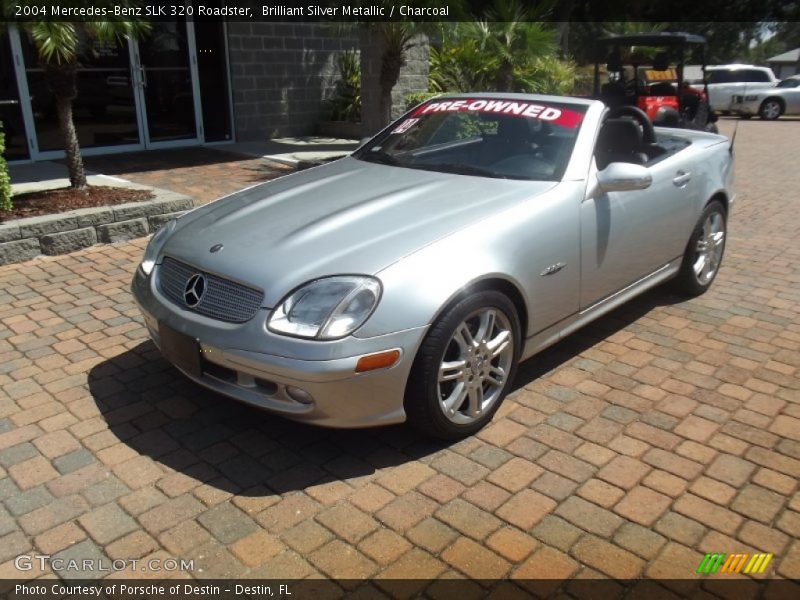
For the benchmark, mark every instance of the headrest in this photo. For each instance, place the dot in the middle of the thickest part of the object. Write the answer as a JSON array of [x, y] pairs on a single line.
[[622, 132]]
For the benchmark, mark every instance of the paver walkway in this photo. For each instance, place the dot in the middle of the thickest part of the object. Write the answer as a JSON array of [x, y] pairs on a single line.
[[666, 430], [203, 173]]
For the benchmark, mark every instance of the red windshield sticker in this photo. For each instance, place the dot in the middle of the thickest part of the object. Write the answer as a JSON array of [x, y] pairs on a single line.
[[559, 116], [405, 126]]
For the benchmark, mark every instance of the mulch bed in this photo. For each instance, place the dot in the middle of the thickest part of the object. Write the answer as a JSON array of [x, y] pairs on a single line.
[[48, 202]]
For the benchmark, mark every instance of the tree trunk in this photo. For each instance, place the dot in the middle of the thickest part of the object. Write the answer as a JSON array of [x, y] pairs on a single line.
[[392, 61], [77, 174], [61, 79], [504, 79]]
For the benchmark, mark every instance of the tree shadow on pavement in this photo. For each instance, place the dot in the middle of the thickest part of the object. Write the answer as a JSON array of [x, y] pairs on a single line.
[[239, 449]]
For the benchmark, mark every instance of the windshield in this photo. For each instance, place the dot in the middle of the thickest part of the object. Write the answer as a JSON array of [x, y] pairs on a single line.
[[506, 139], [789, 83]]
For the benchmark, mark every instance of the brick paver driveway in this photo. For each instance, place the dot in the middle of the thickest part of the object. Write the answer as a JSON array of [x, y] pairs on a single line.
[[669, 429]]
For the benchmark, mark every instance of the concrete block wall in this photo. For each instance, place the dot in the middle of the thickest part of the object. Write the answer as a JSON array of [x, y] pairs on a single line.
[[280, 75]]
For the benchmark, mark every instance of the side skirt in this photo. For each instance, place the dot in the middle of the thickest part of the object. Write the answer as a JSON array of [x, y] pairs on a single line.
[[551, 335]]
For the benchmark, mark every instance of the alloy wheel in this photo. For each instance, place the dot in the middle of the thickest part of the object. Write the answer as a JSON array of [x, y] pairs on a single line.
[[771, 110], [709, 248], [475, 365]]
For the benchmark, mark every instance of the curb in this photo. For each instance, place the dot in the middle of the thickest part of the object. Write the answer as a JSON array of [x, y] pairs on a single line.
[[62, 233]]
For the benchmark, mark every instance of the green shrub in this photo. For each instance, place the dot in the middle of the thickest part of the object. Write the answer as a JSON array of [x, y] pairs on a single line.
[[5, 180], [414, 98], [345, 104], [515, 56]]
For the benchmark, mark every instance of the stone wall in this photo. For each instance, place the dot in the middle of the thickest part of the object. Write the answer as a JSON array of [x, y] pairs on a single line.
[[23, 239], [280, 75]]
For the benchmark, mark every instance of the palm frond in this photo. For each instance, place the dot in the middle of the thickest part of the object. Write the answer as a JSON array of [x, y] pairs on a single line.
[[56, 42]]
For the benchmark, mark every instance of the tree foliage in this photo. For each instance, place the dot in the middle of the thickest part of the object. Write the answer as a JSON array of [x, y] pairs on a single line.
[[5, 180], [509, 51]]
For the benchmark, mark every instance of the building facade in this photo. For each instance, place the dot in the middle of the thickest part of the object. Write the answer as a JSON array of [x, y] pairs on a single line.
[[188, 83], [786, 64]]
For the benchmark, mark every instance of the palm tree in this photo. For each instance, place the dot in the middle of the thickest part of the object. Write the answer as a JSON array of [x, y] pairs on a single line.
[[397, 39], [513, 50], [57, 44]]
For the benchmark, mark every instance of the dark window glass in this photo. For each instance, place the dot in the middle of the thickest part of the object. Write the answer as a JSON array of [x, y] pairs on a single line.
[[755, 75], [103, 111], [167, 80], [213, 70], [10, 109], [720, 76], [485, 137]]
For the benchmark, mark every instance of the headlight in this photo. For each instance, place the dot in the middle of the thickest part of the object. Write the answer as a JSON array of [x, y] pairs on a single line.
[[328, 308], [154, 247]]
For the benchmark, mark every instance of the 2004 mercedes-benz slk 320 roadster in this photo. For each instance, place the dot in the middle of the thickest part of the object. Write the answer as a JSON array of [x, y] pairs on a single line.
[[406, 281]]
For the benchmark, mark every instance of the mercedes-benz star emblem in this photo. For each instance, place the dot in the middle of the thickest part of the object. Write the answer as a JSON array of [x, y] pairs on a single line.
[[215, 248], [194, 290]]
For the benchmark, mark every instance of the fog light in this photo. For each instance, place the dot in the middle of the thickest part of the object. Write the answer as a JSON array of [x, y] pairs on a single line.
[[298, 395], [381, 360]]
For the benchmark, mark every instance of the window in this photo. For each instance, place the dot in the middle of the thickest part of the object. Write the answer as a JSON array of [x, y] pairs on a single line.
[[486, 137], [719, 76], [751, 76], [789, 83]]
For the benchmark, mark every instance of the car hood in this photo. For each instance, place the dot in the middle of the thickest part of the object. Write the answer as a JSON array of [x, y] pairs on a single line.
[[347, 217]]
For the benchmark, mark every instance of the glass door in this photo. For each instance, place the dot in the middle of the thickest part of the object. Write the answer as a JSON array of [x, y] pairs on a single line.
[[11, 117], [166, 80], [104, 109]]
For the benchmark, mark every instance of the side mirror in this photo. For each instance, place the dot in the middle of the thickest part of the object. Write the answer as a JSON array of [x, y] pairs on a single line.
[[624, 177]]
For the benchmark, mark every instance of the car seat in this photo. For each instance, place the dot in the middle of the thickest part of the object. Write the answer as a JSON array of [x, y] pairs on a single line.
[[620, 140]]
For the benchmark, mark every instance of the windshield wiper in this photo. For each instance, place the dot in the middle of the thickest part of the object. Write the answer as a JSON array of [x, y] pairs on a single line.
[[459, 169], [379, 156]]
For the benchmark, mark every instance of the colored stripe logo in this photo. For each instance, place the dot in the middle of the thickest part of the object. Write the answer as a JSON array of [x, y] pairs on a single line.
[[733, 563]]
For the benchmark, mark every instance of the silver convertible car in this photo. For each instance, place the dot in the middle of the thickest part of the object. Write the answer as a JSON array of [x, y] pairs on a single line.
[[769, 103], [407, 280]]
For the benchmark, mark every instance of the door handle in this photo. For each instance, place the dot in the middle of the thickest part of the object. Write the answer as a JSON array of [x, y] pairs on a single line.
[[681, 178], [143, 76]]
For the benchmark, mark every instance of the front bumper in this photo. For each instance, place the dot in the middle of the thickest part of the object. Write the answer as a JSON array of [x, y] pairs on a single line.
[[251, 364]]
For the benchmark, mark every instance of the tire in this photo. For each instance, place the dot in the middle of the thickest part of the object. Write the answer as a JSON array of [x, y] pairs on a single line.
[[469, 394], [703, 255], [770, 109]]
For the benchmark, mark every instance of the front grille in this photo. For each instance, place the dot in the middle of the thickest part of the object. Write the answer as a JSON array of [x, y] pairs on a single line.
[[223, 299]]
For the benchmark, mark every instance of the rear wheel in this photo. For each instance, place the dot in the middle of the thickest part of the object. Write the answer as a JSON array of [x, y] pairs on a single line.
[[703, 255], [464, 367], [770, 109]]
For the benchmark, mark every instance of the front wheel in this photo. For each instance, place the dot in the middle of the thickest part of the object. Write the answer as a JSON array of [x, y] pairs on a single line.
[[770, 110], [464, 367], [703, 254]]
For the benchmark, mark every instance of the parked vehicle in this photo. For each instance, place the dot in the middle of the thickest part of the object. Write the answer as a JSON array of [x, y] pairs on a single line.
[[647, 71], [406, 281], [769, 103], [725, 81]]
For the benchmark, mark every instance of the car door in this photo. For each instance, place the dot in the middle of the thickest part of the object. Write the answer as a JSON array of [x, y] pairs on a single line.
[[625, 236], [720, 88]]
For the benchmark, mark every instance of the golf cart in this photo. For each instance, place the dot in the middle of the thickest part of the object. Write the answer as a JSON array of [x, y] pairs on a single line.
[[647, 71]]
